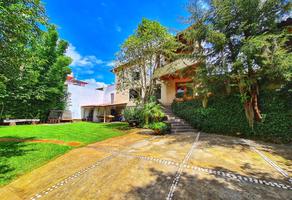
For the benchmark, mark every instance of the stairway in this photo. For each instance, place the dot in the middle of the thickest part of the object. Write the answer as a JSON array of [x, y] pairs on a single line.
[[178, 125]]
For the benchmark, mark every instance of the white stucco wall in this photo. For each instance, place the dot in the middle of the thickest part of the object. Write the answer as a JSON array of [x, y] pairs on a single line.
[[167, 92], [111, 89], [80, 96]]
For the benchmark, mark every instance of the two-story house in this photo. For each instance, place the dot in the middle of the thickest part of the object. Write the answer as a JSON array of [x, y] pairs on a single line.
[[172, 78]]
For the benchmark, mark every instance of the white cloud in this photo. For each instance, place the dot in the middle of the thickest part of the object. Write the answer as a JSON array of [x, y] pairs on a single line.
[[100, 77], [111, 63], [118, 28], [94, 84], [89, 72], [100, 20], [82, 61]]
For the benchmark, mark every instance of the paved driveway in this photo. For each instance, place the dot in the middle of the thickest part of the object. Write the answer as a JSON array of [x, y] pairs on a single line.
[[188, 166]]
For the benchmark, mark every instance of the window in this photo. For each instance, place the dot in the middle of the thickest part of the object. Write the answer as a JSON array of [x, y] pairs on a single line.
[[184, 90], [158, 92], [112, 98], [133, 94], [136, 76]]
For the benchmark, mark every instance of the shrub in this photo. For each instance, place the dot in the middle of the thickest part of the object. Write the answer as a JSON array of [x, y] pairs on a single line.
[[134, 115], [144, 115], [152, 112], [159, 127], [225, 115]]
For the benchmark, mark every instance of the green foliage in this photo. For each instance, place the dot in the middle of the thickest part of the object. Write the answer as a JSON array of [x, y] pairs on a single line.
[[145, 114], [20, 20], [243, 45], [16, 157], [33, 65], [159, 127], [267, 50], [39, 85], [152, 112], [134, 114], [225, 115], [143, 52]]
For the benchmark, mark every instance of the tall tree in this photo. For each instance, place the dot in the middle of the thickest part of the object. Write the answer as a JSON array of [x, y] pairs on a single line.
[[40, 85], [243, 43], [19, 26], [141, 54], [33, 65]]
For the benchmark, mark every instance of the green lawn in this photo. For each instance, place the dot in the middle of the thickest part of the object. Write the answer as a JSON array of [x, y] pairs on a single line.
[[17, 158]]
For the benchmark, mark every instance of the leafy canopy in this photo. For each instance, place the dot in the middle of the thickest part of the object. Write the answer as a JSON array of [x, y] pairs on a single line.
[[144, 52], [33, 65], [240, 42]]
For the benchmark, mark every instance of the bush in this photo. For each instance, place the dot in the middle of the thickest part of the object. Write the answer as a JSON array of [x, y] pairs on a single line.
[[152, 112], [134, 115], [159, 127], [225, 115]]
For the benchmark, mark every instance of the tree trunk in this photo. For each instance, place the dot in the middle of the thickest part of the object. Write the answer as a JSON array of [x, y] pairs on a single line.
[[205, 101], [2, 110], [254, 96], [147, 120], [228, 87], [249, 113]]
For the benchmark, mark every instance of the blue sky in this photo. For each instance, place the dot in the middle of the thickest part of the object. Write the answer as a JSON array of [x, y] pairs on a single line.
[[95, 29]]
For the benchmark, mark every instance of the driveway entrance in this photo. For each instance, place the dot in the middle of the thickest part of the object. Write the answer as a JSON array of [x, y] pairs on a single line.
[[185, 166]]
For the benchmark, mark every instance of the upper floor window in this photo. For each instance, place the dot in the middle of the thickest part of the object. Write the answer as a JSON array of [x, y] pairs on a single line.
[[136, 76], [133, 94], [112, 98]]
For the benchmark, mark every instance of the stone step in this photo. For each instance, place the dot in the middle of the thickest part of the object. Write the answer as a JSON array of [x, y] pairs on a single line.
[[178, 125], [168, 113], [177, 122], [183, 126], [173, 121], [174, 118], [184, 131]]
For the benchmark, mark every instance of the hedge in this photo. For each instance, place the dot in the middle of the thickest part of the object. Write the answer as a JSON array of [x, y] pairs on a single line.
[[225, 115]]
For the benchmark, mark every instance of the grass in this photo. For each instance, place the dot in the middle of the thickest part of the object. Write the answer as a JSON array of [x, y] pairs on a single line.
[[18, 158]]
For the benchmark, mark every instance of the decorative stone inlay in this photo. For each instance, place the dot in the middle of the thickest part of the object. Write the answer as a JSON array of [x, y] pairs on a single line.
[[180, 169], [183, 165], [70, 178], [223, 174], [269, 161], [81, 172]]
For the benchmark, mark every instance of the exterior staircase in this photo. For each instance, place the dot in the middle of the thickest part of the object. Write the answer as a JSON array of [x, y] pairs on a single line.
[[178, 125]]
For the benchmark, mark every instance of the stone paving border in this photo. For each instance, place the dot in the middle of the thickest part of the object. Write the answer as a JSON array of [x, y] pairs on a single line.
[[269, 161], [70, 178], [181, 168], [183, 165], [223, 174], [80, 172]]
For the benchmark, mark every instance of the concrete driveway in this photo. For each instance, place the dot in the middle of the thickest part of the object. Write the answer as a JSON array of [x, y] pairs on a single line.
[[186, 166]]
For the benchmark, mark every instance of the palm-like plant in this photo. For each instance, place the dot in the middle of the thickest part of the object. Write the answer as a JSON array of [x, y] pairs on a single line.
[[152, 110]]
